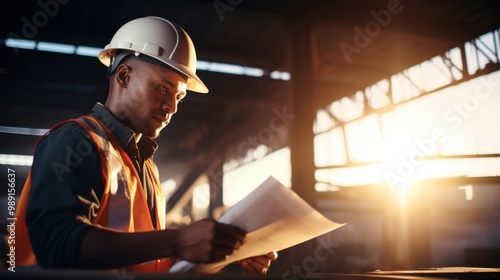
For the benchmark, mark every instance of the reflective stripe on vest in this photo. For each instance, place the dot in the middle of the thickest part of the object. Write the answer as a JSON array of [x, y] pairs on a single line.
[[118, 187], [123, 205]]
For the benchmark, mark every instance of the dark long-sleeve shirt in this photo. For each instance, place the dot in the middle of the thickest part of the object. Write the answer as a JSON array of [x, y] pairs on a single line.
[[67, 186]]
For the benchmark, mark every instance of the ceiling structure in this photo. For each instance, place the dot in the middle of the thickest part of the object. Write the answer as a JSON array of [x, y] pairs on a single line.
[[354, 43]]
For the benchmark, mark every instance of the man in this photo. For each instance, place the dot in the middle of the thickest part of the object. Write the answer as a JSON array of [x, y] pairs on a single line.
[[93, 198]]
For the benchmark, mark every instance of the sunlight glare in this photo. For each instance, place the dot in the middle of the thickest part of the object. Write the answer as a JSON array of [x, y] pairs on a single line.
[[240, 182]]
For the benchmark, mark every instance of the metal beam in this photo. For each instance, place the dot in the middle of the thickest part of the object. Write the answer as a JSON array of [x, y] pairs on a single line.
[[215, 182], [301, 134]]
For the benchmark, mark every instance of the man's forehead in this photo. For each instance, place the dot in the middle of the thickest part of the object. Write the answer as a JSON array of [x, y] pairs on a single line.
[[169, 76]]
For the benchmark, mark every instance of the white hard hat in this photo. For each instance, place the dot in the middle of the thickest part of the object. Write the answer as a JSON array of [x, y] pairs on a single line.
[[160, 39]]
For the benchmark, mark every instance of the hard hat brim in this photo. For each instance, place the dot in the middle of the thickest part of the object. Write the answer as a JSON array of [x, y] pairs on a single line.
[[193, 83]]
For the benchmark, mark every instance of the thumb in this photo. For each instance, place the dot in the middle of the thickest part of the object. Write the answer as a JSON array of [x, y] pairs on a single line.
[[272, 255]]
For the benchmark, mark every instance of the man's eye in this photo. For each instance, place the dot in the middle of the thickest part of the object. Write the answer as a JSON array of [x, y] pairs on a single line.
[[179, 98], [164, 89]]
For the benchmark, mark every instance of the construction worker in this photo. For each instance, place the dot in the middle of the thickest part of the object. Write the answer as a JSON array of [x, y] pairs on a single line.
[[93, 198]]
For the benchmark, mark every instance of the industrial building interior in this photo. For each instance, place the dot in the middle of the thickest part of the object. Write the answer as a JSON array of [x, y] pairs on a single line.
[[381, 114]]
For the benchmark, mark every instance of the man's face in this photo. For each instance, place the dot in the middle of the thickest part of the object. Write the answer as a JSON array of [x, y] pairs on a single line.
[[153, 93]]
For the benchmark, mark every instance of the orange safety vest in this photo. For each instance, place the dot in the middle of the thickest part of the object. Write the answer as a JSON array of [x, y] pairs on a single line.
[[123, 205]]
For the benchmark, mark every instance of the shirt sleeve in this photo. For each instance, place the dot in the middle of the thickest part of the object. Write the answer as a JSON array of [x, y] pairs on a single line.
[[65, 192]]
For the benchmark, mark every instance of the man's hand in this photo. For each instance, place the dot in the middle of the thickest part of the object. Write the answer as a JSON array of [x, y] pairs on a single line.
[[208, 241], [259, 264]]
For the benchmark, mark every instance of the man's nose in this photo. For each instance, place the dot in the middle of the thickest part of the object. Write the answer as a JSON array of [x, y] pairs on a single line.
[[170, 104]]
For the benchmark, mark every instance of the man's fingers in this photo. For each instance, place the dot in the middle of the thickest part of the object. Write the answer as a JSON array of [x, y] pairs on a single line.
[[259, 264], [263, 261], [255, 265], [229, 230], [226, 239], [218, 256], [247, 266], [272, 255]]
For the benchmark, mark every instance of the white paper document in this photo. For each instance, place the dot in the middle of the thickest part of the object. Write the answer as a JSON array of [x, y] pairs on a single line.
[[274, 217]]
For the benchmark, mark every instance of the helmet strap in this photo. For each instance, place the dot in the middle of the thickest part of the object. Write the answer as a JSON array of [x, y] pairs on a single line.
[[117, 59], [121, 55]]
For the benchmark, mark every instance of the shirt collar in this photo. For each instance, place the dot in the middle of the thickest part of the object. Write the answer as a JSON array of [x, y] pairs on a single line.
[[125, 135]]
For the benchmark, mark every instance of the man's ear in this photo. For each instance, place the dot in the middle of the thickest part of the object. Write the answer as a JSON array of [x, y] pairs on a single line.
[[122, 75]]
